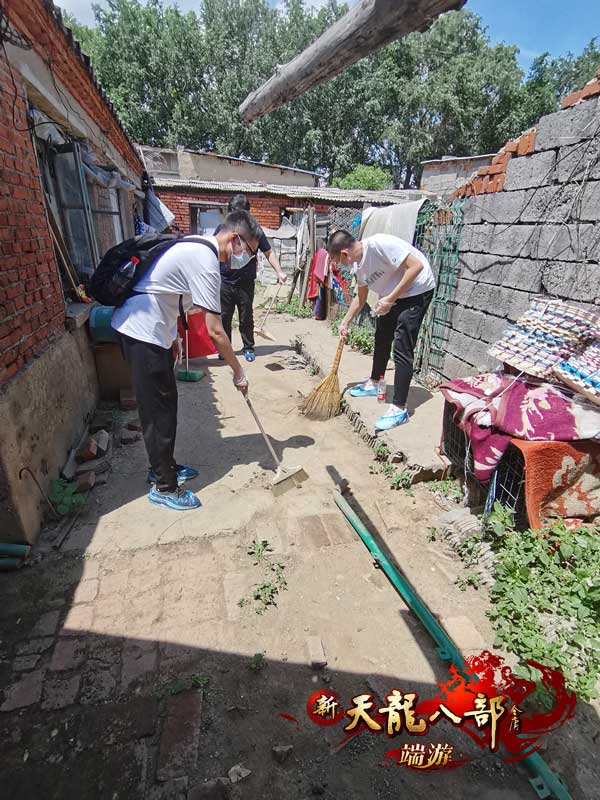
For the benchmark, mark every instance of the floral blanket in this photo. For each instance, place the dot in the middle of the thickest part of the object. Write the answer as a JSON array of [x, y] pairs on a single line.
[[495, 407]]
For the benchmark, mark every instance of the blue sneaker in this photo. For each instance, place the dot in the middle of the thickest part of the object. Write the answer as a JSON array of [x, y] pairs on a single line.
[[249, 355], [183, 474], [180, 500], [366, 389], [391, 419]]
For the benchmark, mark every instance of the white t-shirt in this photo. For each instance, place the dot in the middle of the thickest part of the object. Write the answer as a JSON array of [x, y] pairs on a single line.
[[187, 269], [380, 267]]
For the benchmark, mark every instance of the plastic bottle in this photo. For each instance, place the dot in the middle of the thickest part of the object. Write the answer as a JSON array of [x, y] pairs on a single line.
[[121, 280], [381, 389]]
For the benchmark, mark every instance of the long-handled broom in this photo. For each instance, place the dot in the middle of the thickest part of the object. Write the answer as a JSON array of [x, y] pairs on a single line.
[[324, 401], [261, 330], [285, 478]]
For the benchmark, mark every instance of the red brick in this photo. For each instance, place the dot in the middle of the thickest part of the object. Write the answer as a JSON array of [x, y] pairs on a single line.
[[483, 171], [500, 182], [511, 147], [590, 89], [571, 99]]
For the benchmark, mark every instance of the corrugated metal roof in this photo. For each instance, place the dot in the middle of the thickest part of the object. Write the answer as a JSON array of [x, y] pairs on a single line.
[[327, 194]]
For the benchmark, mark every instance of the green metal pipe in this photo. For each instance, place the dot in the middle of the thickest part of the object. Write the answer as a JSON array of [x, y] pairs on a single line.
[[10, 563], [10, 549], [446, 648], [545, 782]]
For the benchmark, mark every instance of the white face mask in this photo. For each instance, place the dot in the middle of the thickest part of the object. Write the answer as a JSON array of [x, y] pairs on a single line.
[[239, 261]]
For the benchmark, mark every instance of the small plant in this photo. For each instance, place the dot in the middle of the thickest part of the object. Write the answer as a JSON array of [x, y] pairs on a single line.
[[448, 488], [265, 595], [294, 309], [402, 479], [470, 580], [64, 497], [258, 662], [500, 520], [259, 550], [313, 369], [199, 681], [297, 344], [242, 602], [382, 452], [277, 569], [431, 534]]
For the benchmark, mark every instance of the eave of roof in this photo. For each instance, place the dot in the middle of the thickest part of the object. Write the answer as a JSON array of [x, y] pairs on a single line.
[[84, 60], [300, 192]]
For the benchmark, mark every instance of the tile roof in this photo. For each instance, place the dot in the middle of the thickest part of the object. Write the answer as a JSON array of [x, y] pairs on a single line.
[[327, 194]]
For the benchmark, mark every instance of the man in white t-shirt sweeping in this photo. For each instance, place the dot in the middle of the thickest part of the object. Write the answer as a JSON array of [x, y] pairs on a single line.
[[147, 324], [402, 278]]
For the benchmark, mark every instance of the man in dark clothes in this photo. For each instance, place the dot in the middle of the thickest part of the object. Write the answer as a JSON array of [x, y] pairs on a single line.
[[237, 284]]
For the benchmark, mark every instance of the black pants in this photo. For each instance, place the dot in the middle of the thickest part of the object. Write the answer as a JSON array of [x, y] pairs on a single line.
[[155, 390], [401, 327], [240, 296]]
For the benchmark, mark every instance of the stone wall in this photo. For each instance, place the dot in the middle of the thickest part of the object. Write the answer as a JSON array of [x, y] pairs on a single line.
[[531, 227]]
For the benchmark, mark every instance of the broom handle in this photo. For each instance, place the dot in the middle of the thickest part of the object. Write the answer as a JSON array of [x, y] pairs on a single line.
[[262, 324], [262, 430], [338, 355]]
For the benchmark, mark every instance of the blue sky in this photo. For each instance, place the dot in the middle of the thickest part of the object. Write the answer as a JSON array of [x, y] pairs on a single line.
[[535, 26]]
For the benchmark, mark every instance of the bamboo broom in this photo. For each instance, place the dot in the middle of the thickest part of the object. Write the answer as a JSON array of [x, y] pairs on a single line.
[[324, 401]]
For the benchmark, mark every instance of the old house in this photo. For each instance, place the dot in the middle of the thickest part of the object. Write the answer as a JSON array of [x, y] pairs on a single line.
[[70, 180]]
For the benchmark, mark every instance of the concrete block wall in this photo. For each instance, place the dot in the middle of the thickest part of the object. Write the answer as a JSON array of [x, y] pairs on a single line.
[[531, 227]]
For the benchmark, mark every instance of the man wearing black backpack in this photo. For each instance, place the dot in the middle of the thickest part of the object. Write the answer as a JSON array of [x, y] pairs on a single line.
[[147, 323]]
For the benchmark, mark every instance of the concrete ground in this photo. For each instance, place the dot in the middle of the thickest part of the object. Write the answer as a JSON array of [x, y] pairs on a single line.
[[136, 663]]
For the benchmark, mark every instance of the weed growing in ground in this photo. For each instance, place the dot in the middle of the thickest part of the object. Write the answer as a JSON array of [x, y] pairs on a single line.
[[472, 579], [546, 600], [448, 488], [265, 594], [397, 478], [64, 497], [259, 550], [258, 662], [382, 451], [294, 309], [199, 681]]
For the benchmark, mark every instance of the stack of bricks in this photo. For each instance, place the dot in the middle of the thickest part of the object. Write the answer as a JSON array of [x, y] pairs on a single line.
[[32, 308], [491, 179], [591, 89]]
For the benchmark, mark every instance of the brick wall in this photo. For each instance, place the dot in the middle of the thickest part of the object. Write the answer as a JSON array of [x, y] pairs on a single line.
[[31, 302], [266, 208], [531, 227]]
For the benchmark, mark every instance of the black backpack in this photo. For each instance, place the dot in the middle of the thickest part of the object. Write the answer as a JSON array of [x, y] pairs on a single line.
[[142, 251]]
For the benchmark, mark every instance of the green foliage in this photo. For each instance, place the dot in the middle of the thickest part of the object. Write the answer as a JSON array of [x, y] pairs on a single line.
[[500, 520], [294, 309], [546, 601], [362, 339], [64, 497], [259, 550], [365, 177], [449, 488], [382, 451], [264, 594], [258, 662], [178, 79]]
